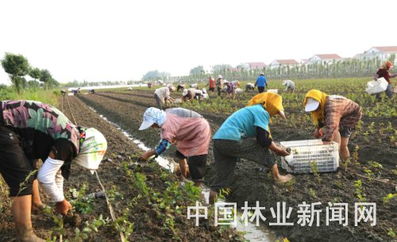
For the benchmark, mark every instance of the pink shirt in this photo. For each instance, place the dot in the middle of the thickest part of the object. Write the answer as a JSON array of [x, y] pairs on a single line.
[[190, 135]]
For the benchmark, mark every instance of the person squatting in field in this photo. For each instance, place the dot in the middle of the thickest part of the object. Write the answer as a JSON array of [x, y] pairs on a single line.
[[384, 72], [180, 87], [337, 115], [246, 134], [231, 88], [162, 96], [31, 130], [219, 84], [193, 93], [289, 86], [186, 129], [261, 83], [249, 87]]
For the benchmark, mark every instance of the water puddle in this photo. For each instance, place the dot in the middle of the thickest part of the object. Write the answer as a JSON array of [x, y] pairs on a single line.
[[251, 231]]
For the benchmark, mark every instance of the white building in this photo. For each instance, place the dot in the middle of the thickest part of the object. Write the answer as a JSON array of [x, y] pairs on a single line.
[[380, 52], [280, 63], [323, 59], [256, 65]]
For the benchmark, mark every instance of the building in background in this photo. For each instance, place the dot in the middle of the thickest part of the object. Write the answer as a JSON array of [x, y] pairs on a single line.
[[256, 65], [381, 52], [323, 59], [281, 63]]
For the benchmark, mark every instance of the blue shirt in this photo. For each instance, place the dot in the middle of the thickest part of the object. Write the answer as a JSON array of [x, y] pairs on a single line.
[[242, 123], [261, 81]]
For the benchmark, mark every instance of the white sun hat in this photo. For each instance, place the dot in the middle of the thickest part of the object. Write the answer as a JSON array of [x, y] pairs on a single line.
[[92, 150], [311, 105], [152, 116]]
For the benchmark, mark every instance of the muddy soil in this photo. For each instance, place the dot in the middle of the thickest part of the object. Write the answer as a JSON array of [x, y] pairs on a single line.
[[249, 184], [149, 220]]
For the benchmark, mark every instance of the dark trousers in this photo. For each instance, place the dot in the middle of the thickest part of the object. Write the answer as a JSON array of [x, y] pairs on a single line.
[[389, 92], [228, 152], [261, 89], [197, 165], [219, 89], [15, 167], [158, 101]]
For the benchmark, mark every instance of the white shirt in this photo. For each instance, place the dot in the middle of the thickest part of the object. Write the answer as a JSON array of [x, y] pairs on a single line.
[[163, 93], [289, 84]]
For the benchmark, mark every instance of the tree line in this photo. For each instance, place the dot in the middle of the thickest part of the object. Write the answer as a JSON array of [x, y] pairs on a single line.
[[19, 69], [335, 69]]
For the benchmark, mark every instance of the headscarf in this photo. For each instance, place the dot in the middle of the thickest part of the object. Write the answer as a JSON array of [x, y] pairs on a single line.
[[387, 65], [272, 102], [321, 97], [92, 149]]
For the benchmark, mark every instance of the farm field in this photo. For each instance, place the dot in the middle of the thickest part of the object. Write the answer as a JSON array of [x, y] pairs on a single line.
[[148, 121], [370, 175], [149, 202]]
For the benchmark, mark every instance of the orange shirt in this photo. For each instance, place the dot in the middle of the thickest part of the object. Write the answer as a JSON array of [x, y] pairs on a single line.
[[212, 83]]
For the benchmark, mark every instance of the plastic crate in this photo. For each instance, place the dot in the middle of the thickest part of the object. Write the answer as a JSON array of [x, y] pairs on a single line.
[[305, 152]]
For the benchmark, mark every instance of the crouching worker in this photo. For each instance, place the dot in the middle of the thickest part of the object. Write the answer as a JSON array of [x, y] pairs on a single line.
[[246, 134], [188, 130], [32, 130], [162, 96], [337, 115]]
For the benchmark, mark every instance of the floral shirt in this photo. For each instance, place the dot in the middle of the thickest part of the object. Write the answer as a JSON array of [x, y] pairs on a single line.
[[42, 128], [41, 117]]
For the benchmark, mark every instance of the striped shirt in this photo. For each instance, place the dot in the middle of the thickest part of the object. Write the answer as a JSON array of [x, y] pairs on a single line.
[[340, 112]]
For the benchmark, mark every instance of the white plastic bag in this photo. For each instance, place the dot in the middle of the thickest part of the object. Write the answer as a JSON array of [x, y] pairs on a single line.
[[272, 90], [377, 86]]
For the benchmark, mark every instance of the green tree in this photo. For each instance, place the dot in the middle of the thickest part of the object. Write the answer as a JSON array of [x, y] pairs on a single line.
[[33, 84], [17, 66], [392, 58], [198, 70], [46, 78], [156, 75], [221, 68], [151, 76], [35, 73]]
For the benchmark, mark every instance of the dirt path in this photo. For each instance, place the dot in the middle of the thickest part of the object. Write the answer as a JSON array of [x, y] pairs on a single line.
[[248, 184]]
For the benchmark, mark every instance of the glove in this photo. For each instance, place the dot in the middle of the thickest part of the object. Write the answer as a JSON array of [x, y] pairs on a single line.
[[63, 207]]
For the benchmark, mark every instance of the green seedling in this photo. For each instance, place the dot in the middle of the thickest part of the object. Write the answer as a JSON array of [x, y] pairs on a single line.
[[386, 199], [314, 170], [359, 192], [312, 193], [391, 233]]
